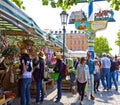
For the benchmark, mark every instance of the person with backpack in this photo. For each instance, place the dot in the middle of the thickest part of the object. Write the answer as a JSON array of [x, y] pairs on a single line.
[[58, 68], [38, 75], [26, 71]]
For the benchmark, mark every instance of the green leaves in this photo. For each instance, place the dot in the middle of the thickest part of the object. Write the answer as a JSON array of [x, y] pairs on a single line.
[[19, 3], [117, 42], [67, 4], [115, 4], [101, 45], [45, 2]]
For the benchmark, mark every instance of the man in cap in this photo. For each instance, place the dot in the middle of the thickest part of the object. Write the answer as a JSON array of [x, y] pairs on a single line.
[[39, 76]]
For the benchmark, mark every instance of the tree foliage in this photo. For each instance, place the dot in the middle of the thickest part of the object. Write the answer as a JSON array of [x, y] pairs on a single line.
[[19, 3], [117, 42], [101, 45], [115, 4], [66, 4]]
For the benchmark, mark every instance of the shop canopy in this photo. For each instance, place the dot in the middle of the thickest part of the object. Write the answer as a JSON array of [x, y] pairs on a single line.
[[14, 21]]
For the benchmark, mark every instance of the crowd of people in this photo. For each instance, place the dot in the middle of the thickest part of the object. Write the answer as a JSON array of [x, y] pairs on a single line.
[[102, 70], [89, 74]]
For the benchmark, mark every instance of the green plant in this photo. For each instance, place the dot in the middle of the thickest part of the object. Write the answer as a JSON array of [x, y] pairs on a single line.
[[51, 66], [72, 71]]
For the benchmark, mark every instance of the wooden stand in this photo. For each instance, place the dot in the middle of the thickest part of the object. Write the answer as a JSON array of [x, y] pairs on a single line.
[[66, 85], [46, 84]]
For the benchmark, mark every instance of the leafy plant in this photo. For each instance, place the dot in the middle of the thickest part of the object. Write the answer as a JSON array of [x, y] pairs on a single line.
[[72, 71]]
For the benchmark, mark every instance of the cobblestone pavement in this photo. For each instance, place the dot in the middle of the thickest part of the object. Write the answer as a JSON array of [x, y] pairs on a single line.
[[111, 97]]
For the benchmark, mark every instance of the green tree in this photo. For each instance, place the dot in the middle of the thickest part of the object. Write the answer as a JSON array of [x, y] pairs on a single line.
[[115, 4], [101, 45], [117, 42], [66, 4], [19, 3]]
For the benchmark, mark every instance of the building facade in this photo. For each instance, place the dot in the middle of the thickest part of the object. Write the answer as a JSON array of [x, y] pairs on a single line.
[[75, 40]]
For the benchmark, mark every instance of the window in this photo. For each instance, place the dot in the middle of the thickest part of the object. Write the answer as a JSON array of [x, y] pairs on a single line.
[[82, 47], [55, 32], [82, 42], [71, 32], [78, 48], [70, 42], [78, 41], [74, 41], [75, 32], [79, 32], [75, 48], [60, 32], [51, 32]]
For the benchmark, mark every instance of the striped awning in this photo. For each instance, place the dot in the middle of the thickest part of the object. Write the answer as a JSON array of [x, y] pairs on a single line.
[[14, 21]]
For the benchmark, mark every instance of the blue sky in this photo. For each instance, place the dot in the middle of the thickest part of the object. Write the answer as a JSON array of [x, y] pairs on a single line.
[[49, 18]]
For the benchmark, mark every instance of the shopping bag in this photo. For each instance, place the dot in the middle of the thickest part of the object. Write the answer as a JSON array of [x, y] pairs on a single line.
[[55, 76]]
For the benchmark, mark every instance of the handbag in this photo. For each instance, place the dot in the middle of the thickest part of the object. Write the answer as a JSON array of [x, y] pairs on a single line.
[[55, 75]]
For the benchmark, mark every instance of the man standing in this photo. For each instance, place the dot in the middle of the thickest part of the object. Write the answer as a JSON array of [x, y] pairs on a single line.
[[105, 70], [26, 70], [91, 66]]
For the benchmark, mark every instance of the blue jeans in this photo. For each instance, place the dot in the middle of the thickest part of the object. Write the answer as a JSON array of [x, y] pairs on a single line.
[[40, 91], [105, 78], [92, 83], [59, 89], [25, 91], [117, 72], [72, 79], [114, 77]]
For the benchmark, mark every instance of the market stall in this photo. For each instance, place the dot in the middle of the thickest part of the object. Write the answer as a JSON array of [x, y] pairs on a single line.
[[18, 31]]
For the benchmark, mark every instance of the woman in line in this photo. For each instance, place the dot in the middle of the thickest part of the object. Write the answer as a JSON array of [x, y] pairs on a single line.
[[82, 77], [96, 76]]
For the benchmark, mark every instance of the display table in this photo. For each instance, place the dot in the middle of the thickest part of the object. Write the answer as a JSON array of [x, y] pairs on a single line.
[[46, 84]]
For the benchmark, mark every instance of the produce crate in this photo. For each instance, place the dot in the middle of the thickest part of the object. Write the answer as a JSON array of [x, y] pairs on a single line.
[[66, 85], [2, 100]]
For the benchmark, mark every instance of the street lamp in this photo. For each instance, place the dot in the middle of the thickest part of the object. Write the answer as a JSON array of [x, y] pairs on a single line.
[[64, 17]]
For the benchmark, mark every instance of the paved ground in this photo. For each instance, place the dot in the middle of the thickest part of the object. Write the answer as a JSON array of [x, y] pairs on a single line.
[[111, 97]]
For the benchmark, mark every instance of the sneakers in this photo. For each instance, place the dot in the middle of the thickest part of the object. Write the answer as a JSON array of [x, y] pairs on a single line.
[[57, 101], [92, 96], [104, 89], [116, 89]]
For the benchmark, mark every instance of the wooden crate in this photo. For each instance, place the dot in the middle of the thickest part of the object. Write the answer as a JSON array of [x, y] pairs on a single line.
[[2, 100], [66, 85]]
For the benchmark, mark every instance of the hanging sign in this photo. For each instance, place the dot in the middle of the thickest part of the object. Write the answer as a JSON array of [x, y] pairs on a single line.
[[77, 16], [98, 25], [104, 15]]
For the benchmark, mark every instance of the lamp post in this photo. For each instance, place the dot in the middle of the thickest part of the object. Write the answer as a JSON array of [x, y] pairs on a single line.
[[64, 17]]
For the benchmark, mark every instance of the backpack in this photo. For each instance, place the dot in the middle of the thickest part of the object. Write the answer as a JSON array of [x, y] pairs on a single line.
[[64, 70], [38, 73]]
